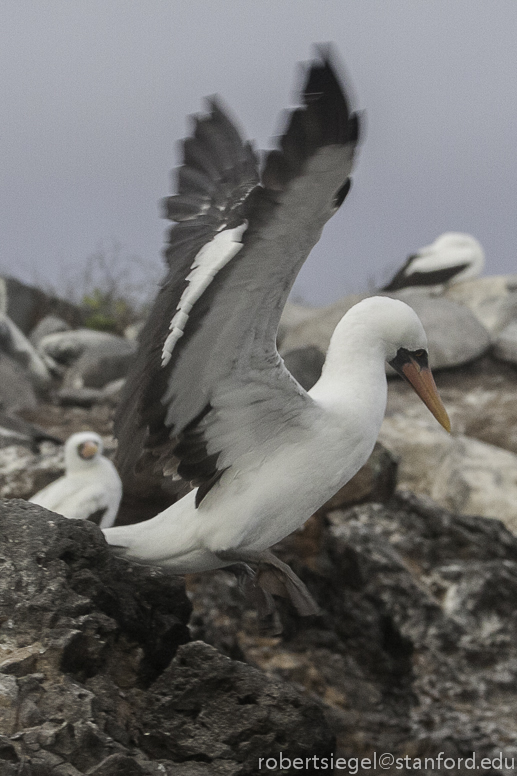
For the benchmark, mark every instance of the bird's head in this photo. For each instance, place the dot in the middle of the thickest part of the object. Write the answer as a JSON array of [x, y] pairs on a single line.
[[399, 330], [82, 449]]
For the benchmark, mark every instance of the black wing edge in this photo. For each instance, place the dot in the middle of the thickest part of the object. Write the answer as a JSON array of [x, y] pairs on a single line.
[[219, 171], [325, 118]]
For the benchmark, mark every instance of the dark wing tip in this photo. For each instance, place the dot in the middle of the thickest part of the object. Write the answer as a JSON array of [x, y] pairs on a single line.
[[328, 90], [399, 279], [214, 158], [217, 173], [325, 119]]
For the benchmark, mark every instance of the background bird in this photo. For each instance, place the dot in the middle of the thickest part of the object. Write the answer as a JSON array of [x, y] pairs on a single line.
[[90, 489], [451, 258]]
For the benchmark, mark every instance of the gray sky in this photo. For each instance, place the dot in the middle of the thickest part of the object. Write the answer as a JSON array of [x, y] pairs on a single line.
[[95, 95]]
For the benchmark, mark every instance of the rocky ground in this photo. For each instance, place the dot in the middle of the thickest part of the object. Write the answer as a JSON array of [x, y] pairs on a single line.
[[99, 675], [108, 669], [415, 652]]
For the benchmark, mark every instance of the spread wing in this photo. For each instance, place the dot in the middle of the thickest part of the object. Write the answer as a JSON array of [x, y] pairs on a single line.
[[208, 385]]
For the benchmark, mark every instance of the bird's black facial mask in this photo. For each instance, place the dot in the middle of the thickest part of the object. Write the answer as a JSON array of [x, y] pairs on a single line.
[[413, 366], [404, 357]]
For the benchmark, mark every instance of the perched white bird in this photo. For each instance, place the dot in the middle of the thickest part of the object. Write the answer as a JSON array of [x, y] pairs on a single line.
[[451, 258], [210, 396], [90, 489]]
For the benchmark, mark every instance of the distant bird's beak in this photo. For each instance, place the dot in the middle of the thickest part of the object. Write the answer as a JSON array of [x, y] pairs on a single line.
[[87, 450], [414, 368]]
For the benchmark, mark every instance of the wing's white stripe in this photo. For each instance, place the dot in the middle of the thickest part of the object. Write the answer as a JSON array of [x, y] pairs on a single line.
[[211, 258]]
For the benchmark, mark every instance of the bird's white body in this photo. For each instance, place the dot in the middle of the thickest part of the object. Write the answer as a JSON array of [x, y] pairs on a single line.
[[87, 487], [268, 496]]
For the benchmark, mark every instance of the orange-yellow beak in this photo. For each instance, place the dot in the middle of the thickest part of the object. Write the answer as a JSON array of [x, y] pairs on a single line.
[[414, 368], [87, 450]]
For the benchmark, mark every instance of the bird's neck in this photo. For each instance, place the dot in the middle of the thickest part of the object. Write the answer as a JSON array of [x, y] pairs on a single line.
[[74, 465], [353, 379]]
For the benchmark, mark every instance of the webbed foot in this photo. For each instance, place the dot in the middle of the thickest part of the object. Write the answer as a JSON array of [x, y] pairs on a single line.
[[273, 577]]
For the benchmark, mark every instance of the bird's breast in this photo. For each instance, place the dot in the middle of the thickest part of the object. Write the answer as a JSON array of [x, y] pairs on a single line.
[[257, 506]]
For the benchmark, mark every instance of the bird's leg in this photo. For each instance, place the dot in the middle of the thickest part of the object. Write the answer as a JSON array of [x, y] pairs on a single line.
[[242, 572], [259, 598], [247, 579], [274, 577]]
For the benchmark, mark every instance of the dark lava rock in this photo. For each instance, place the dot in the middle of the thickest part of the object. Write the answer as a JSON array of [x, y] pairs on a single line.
[[92, 358], [416, 650], [96, 676], [62, 589], [210, 708], [97, 367]]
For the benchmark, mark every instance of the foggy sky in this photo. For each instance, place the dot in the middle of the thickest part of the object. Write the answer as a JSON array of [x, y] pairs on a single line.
[[94, 97]]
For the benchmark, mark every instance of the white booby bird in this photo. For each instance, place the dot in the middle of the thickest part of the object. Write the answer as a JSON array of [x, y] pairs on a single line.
[[451, 258], [90, 489], [209, 396]]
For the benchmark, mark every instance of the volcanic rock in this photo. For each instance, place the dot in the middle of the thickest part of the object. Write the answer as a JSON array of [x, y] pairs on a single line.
[[94, 358], [15, 344], [26, 305], [416, 650], [17, 431], [459, 473], [50, 324], [454, 333], [505, 346], [493, 300], [93, 677], [315, 330], [16, 388]]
